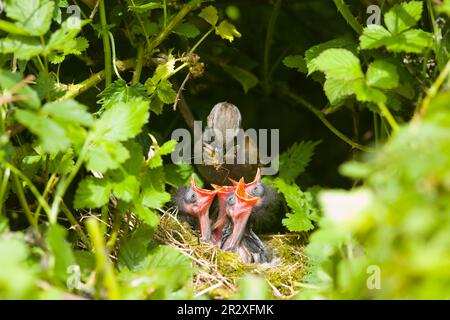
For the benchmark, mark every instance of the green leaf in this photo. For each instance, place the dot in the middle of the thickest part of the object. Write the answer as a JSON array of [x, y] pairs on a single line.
[[412, 41], [247, 79], [61, 251], [64, 39], [154, 195], [123, 120], [403, 16], [127, 189], [227, 31], [52, 136], [92, 193], [156, 160], [23, 47], [209, 14], [294, 161], [314, 52], [302, 206], [339, 64], [9, 80], [11, 28], [150, 217], [165, 92], [337, 90], [374, 36], [119, 91], [105, 154], [69, 111], [382, 74], [296, 62], [178, 175], [365, 93], [187, 30], [35, 16]]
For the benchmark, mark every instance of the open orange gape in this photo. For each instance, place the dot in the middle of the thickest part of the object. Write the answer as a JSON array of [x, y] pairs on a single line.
[[235, 204]]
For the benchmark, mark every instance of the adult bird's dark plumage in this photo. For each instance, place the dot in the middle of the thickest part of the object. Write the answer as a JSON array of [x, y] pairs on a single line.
[[220, 160]]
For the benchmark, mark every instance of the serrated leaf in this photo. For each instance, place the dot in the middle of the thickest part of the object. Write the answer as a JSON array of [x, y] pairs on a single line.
[[209, 14], [9, 80], [374, 36], [187, 30], [365, 93], [123, 120], [127, 189], [314, 52], [154, 195], [64, 39], [296, 62], [337, 90], [382, 74], [105, 154], [165, 92], [92, 193], [35, 16], [403, 16], [156, 160], [178, 175], [52, 136], [339, 64], [294, 161], [69, 111], [303, 211], [412, 41], [247, 79], [23, 47], [227, 31], [119, 91], [150, 217]]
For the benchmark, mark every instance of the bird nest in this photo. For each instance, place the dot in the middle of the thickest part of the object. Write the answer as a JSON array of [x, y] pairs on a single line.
[[219, 271]]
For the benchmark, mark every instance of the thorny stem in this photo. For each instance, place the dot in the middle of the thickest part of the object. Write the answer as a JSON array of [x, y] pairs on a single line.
[[106, 44], [348, 16], [324, 120]]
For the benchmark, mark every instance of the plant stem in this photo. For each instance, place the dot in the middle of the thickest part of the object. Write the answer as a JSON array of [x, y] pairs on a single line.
[[106, 44], [32, 187], [201, 40], [268, 44], [171, 25], [75, 224], [77, 89], [65, 183], [24, 203], [4, 185], [139, 64], [348, 16], [324, 120], [387, 114], [105, 271], [434, 89]]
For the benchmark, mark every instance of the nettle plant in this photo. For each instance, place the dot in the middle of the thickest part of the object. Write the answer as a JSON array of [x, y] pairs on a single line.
[[389, 69], [49, 140]]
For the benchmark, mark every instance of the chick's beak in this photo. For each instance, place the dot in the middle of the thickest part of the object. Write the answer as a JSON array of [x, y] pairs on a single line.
[[204, 200], [222, 194], [255, 181], [239, 214]]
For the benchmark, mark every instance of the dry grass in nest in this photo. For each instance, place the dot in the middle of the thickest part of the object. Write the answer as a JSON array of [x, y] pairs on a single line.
[[219, 270]]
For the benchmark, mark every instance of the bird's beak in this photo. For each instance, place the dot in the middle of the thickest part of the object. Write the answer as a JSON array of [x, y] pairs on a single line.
[[222, 193], [256, 180], [204, 201], [239, 214]]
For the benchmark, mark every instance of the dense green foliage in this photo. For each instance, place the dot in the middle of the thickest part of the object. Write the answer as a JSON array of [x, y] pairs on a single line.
[[88, 107]]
